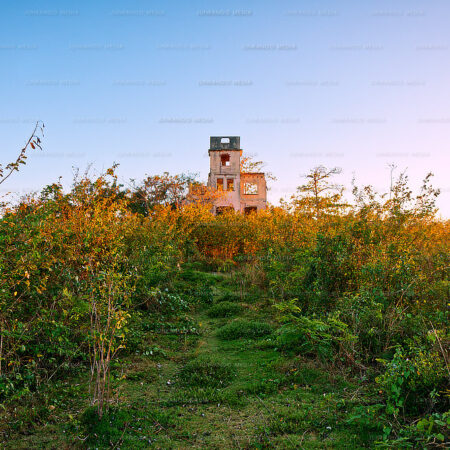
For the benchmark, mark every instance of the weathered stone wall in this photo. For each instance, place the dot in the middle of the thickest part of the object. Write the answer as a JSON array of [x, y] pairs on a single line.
[[258, 200], [228, 147]]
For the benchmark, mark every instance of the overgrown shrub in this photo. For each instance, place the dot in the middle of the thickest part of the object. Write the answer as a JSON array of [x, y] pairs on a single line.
[[415, 382], [165, 302], [327, 337], [224, 309]]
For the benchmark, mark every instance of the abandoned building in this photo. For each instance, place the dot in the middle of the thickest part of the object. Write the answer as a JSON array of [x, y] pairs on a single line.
[[244, 192]]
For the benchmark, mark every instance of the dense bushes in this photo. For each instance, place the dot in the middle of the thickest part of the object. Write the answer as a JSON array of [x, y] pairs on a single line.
[[73, 268], [414, 381], [363, 286], [224, 309]]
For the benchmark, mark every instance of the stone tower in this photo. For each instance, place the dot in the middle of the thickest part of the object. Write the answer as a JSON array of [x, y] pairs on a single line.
[[244, 192]]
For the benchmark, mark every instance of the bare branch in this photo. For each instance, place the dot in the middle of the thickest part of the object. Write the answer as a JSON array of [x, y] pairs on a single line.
[[33, 142]]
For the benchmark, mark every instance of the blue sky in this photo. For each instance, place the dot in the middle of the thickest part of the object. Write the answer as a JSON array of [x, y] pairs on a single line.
[[352, 84]]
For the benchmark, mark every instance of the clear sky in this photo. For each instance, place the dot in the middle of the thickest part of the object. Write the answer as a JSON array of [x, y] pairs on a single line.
[[355, 84]]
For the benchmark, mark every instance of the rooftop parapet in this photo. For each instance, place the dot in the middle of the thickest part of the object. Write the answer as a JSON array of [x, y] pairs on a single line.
[[225, 143]]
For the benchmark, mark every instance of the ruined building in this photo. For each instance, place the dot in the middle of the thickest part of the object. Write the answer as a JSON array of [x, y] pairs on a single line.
[[245, 192]]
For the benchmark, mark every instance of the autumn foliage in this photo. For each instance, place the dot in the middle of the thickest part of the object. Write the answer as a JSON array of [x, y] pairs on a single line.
[[359, 283]]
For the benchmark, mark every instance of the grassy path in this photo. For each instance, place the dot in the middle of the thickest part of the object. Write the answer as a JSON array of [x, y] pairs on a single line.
[[225, 387], [233, 389]]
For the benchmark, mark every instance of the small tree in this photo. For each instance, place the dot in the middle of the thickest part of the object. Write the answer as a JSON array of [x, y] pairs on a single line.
[[249, 165], [160, 190], [104, 223], [319, 194], [108, 316]]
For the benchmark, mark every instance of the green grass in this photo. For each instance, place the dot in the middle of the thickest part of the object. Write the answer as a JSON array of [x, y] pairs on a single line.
[[147, 376], [207, 371], [210, 384], [229, 297], [244, 328]]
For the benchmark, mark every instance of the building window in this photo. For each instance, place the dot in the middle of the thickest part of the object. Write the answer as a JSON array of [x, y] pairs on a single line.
[[250, 188], [220, 184], [225, 160], [250, 210], [230, 184]]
